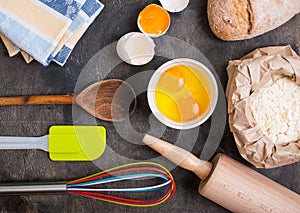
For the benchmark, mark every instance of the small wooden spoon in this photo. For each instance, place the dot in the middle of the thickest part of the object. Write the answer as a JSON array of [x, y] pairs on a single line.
[[109, 100]]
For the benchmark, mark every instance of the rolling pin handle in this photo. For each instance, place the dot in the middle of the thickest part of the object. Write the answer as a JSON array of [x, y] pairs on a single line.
[[179, 156]]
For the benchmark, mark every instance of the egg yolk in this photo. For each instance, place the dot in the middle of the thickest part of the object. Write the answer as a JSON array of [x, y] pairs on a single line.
[[182, 93], [154, 19], [172, 80]]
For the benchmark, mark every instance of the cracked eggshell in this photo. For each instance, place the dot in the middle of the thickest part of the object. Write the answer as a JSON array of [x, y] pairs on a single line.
[[135, 48], [174, 6], [154, 20]]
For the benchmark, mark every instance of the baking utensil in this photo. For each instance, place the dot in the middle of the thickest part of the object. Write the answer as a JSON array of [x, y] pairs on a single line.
[[64, 143], [94, 186], [230, 183], [106, 100]]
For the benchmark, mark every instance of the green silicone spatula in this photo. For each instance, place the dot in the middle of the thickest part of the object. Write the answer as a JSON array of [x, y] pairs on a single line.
[[64, 143]]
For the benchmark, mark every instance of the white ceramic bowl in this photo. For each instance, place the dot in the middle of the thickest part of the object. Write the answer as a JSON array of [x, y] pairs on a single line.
[[213, 93]]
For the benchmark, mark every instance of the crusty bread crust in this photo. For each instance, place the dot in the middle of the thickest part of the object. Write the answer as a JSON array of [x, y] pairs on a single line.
[[244, 19]]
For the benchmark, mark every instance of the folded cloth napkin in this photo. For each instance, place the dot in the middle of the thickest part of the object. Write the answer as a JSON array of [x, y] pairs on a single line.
[[13, 49], [26, 57], [89, 11], [47, 30]]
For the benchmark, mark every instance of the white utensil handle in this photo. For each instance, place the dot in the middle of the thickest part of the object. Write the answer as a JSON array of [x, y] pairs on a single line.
[[7, 142]]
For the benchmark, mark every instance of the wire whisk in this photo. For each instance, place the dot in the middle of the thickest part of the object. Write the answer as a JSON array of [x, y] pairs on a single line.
[[100, 186]]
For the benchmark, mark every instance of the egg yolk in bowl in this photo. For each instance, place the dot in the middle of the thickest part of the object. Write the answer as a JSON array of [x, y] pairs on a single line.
[[182, 93]]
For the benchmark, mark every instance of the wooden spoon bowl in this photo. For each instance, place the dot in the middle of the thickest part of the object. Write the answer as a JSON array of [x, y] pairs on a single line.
[[110, 100]]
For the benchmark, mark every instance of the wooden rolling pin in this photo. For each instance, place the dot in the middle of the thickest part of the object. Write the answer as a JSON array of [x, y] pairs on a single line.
[[230, 183]]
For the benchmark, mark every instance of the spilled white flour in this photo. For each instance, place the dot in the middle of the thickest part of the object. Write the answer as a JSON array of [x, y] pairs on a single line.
[[276, 110]]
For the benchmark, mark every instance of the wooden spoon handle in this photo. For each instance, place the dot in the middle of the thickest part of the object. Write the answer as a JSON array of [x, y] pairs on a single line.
[[179, 156], [36, 100]]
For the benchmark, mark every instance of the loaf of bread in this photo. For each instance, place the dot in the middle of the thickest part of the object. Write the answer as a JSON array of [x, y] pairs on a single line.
[[244, 19]]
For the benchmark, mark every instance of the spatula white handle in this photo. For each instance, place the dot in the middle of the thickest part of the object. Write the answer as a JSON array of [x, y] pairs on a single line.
[[7, 142]]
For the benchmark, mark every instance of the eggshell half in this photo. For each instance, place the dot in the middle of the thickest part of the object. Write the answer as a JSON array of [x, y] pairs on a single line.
[[154, 20], [135, 48], [174, 6]]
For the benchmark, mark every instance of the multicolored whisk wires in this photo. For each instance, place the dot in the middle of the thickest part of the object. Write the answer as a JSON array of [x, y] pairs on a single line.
[[94, 186]]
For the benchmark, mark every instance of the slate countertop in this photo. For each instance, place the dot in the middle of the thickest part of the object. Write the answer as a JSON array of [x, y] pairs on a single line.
[[189, 28]]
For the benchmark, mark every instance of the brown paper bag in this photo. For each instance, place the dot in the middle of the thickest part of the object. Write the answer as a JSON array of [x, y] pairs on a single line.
[[247, 75]]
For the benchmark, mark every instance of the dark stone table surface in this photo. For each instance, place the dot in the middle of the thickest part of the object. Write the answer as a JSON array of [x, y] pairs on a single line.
[[118, 17]]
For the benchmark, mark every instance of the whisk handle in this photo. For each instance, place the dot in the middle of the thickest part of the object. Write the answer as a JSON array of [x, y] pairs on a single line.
[[26, 188]]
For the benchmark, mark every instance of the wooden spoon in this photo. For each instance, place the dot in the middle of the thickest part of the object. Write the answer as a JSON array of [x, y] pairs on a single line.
[[109, 100]]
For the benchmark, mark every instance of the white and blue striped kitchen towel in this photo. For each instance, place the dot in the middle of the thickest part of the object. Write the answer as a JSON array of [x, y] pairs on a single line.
[[47, 29]]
